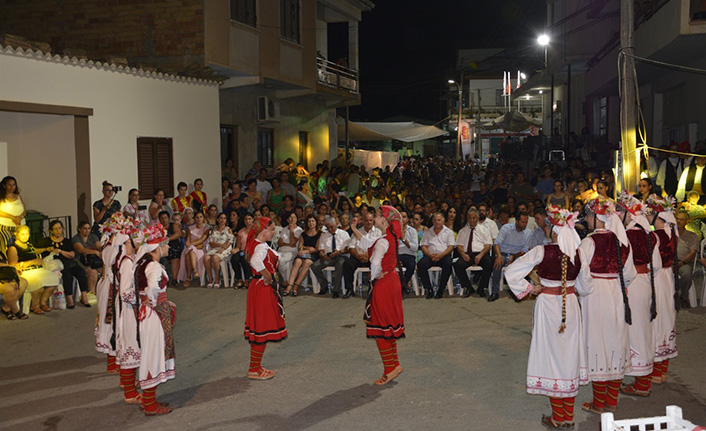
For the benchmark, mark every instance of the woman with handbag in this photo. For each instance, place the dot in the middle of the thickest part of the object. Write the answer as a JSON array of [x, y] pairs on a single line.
[[87, 245], [40, 281]]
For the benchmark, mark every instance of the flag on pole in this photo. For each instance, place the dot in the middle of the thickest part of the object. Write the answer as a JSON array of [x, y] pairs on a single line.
[[518, 79], [509, 83], [504, 83]]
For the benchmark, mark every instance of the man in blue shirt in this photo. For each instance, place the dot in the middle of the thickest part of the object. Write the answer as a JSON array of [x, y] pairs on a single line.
[[512, 242]]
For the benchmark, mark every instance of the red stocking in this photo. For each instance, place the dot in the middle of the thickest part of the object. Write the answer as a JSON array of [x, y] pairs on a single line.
[[112, 366], [599, 393], [557, 409], [387, 354], [643, 383], [569, 409], [127, 380], [149, 399], [611, 398], [256, 352]]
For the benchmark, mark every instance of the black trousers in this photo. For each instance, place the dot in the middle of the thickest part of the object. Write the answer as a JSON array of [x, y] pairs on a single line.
[[238, 261], [485, 263], [408, 263], [349, 267], [423, 268], [67, 279]]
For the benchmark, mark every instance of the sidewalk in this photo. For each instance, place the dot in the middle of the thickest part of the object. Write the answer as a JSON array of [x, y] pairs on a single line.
[[464, 368]]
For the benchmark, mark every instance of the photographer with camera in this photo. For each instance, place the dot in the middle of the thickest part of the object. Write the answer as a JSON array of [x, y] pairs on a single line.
[[106, 207]]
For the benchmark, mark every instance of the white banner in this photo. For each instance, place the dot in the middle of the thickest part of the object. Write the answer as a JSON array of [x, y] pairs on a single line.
[[375, 159]]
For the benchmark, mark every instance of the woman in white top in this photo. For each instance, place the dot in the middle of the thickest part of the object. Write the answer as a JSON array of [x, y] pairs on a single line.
[[132, 207], [12, 211], [287, 248], [220, 243]]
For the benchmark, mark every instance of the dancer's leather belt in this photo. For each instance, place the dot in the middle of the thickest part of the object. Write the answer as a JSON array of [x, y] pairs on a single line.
[[557, 290]]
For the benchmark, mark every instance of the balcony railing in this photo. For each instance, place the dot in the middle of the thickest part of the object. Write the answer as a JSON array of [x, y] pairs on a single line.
[[336, 76]]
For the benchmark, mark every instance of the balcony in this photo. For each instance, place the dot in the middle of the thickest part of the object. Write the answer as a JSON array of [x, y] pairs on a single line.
[[336, 76]]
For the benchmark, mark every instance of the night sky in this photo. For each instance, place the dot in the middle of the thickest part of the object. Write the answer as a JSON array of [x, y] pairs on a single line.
[[407, 49]]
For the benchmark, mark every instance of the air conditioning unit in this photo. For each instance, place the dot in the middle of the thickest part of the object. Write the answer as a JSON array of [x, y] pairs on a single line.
[[267, 109]]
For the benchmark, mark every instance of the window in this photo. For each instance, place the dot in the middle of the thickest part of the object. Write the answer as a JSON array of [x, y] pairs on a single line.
[[289, 19], [244, 11], [155, 166], [265, 147]]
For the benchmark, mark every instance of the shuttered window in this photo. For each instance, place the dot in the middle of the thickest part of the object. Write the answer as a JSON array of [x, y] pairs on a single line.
[[244, 11], [265, 147], [155, 166], [289, 19]]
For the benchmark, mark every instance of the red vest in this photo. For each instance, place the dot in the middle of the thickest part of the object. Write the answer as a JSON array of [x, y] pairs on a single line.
[[666, 247], [550, 267], [605, 256], [638, 243], [389, 260]]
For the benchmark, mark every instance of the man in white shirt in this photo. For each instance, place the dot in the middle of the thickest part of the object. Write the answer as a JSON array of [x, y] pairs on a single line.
[[692, 179], [358, 249], [263, 185], [486, 222], [437, 244], [332, 246], [473, 249], [407, 252]]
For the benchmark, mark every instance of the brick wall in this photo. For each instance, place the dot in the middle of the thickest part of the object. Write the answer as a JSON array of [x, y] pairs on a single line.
[[162, 33]]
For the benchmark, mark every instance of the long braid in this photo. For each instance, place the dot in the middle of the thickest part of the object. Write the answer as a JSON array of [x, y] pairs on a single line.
[[653, 304], [628, 314], [397, 256], [675, 271], [564, 265]]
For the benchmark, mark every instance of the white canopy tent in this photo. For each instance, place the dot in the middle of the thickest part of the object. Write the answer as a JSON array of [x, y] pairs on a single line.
[[401, 131]]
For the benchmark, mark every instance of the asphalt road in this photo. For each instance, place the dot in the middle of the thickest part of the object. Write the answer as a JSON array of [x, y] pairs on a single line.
[[464, 369]]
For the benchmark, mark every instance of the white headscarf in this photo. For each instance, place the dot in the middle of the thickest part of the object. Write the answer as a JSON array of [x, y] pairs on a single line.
[[668, 217], [568, 240], [614, 224]]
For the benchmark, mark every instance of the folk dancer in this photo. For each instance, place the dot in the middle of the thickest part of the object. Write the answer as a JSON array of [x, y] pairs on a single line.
[[606, 312], [157, 317], [264, 317], [556, 365], [641, 292], [384, 317], [666, 287]]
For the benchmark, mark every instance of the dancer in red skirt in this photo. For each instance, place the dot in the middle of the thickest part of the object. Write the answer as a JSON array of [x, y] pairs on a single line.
[[264, 317], [384, 316]]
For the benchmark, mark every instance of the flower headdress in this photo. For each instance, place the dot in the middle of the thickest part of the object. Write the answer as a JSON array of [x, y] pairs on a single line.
[[635, 208], [119, 226], [150, 238], [394, 217], [601, 206], [664, 209], [562, 221], [604, 209]]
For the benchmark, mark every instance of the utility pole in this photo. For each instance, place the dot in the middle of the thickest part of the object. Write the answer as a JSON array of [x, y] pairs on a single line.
[[628, 104], [459, 155]]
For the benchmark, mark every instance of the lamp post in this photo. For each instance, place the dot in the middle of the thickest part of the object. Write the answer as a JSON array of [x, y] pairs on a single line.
[[543, 40], [460, 108]]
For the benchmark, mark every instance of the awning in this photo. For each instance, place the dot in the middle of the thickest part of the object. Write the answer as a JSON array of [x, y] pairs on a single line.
[[514, 121], [402, 131]]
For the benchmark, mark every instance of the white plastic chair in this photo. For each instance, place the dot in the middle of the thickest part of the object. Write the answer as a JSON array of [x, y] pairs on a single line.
[[435, 274], [358, 278]]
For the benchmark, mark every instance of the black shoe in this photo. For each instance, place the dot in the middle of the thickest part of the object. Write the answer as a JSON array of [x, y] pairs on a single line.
[[335, 295], [430, 294], [348, 294], [352, 292], [468, 292], [493, 297], [440, 294], [71, 307], [685, 303], [323, 292], [481, 292], [85, 304], [514, 298]]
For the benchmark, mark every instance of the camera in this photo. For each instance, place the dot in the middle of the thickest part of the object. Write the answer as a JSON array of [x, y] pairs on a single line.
[[117, 189]]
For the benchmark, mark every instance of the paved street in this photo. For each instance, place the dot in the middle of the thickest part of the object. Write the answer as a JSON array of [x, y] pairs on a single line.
[[464, 362]]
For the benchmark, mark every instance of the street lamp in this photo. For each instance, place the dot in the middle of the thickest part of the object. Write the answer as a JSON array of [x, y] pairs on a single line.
[[543, 40], [460, 107]]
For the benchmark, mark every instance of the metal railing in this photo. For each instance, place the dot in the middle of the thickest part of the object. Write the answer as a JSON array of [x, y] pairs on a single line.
[[39, 227], [336, 76]]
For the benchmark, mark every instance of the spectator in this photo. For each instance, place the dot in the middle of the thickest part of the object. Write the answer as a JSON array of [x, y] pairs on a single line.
[[87, 245], [255, 170], [670, 171], [263, 185], [12, 211], [482, 193], [275, 197], [520, 190], [503, 216], [512, 242], [687, 247], [220, 242], [211, 216], [304, 194], [132, 207], [353, 181], [182, 201], [41, 282], [691, 179], [12, 287], [174, 233], [225, 190], [558, 198], [229, 171], [696, 213], [487, 222], [288, 188], [307, 254], [358, 247], [473, 249], [156, 206], [238, 260], [437, 245], [256, 198], [332, 246], [104, 208], [370, 200], [645, 189], [451, 221], [288, 249], [542, 234], [418, 225], [545, 185], [286, 211], [407, 251], [61, 248], [199, 199], [585, 192], [194, 247]]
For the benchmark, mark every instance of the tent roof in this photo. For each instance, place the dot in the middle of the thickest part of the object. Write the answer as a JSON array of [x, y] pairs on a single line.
[[401, 131]]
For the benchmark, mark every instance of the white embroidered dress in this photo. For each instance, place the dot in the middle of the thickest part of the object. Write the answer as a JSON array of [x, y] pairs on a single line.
[[127, 349]]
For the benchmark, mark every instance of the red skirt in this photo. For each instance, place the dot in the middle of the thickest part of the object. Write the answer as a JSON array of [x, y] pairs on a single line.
[[384, 317], [264, 316]]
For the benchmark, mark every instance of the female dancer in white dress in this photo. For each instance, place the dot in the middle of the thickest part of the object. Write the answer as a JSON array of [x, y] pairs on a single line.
[[556, 364], [157, 317]]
